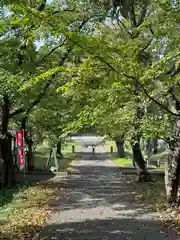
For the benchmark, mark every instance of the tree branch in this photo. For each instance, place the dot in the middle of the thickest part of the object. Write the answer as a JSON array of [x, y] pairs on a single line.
[[150, 40], [51, 51], [150, 97], [174, 98], [123, 25], [96, 56], [43, 92], [133, 16], [23, 46], [159, 104], [33, 104], [174, 70], [143, 13], [42, 5], [65, 10]]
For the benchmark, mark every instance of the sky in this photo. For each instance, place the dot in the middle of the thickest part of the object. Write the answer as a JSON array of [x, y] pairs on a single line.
[[50, 1], [38, 43]]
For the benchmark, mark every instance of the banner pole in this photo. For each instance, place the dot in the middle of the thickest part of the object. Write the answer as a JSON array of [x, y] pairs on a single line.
[[24, 152], [25, 167]]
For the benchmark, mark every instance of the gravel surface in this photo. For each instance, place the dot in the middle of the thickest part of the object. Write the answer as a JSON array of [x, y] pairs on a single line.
[[99, 204]]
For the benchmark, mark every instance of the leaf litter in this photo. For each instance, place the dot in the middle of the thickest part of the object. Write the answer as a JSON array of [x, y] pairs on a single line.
[[153, 193], [28, 211]]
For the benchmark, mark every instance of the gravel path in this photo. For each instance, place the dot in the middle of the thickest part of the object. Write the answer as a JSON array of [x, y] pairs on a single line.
[[98, 205]]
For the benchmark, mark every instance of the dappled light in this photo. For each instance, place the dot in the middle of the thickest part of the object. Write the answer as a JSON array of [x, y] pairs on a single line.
[[90, 103], [112, 229], [99, 203]]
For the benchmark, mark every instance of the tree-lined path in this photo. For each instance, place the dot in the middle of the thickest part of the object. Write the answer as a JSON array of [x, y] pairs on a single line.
[[99, 204], [106, 67]]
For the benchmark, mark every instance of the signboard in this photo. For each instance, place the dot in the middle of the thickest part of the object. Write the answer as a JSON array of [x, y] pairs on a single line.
[[20, 146]]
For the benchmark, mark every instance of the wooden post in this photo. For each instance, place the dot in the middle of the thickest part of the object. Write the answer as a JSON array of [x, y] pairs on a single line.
[[55, 159], [111, 149], [73, 149], [133, 164], [93, 149], [25, 164], [158, 163], [147, 162]]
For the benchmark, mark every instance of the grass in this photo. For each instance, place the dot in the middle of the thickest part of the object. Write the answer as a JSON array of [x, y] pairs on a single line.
[[153, 193], [108, 145], [121, 162], [162, 157], [24, 210], [127, 162], [42, 154]]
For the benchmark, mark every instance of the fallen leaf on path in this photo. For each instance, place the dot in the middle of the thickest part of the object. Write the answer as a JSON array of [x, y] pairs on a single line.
[[153, 193]]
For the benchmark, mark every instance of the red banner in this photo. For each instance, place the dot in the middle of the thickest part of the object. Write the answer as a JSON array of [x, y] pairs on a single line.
[[20, 145]]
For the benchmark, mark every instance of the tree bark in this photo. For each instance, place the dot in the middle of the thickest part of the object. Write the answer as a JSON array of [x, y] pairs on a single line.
[[143, 175], [155, 146], [5, 146], [148, 148], [30, 155], [8, 168], [172, 177], [59, 148], [29, 142], [120, 146]]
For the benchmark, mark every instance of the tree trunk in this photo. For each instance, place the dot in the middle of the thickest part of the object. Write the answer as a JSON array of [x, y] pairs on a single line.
[[172, 178], [29, 142], [120, 146], [59, 148], [143, 175], [9, 176], [148, 148], [5, 146], [155, 146], [30, 154]]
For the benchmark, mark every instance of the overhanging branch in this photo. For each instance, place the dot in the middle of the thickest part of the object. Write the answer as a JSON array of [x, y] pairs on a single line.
[[133, 16], [159, 104], [142, 86], [44, 90], [171, 91], [42, 5], [143, 13], [150, 97], [42, 93], [23, 45], [51, 51], [96, 56], [120, 22], [33, 104], [173, 71]]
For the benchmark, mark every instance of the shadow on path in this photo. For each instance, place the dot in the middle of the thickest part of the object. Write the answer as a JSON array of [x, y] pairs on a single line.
[[111, 229], [99, 204], [90, 156]]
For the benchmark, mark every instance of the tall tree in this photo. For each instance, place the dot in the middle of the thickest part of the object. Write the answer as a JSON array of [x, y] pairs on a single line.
[[141, 50], [27, 69]]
